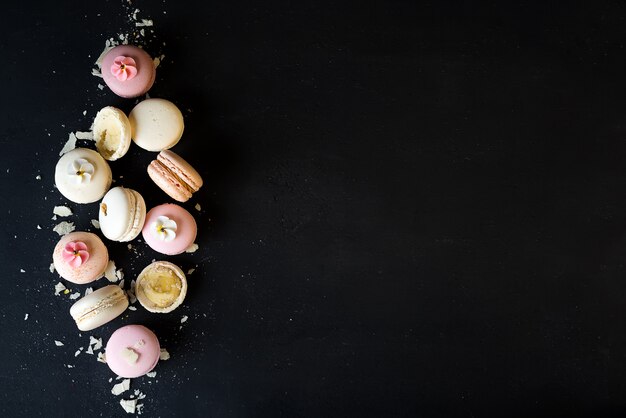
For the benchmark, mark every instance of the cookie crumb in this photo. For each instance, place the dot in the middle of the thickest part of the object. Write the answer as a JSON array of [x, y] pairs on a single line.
[[64, 228], [192, 248]]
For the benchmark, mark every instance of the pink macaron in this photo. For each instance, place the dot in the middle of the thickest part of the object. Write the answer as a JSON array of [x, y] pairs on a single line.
[[128, 71], [80, 257], [174, 175], [169, 229], [132, 351]]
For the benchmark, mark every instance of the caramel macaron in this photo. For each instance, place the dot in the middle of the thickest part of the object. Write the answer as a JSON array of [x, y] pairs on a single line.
[[175, 176]]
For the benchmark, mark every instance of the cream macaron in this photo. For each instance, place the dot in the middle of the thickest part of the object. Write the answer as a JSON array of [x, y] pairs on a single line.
[[80, 257], [122, 214], [156, 124], [82, 175], [111, 131], [161, 287], [99, 307], [175, 176]]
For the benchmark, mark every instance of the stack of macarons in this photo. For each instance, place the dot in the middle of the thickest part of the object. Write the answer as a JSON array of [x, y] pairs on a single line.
[[84, 176]]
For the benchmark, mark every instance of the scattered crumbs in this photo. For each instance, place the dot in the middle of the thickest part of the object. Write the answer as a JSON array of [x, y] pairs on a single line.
[[121, 284], [54, 218], [38, 226], [165, 355], [62, 211], [78, 352], [84, 112], [89, 350], [184, 319], [52, 269], [157, 61], [64, 228], [88, 290], [139, 394], [130, 247], [119, 274], [131, 292], [58, 343], [191, 270], [25, 317], [132, 308], [95, 223], [129, 405], [192, 248], [139, 408], [69, 145], [101, 357], [144, 22], [198, 208], [121, 387], [38, 177], [110, 379], [22, 271], [109, 272], [69, 366], [100, 86], [58, 288], [74, 296], [95, 342], [151, 374]]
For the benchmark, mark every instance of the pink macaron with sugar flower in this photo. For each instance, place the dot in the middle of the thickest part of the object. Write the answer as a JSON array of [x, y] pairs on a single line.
[[80, 257], [132, 351], [169, 229], [128, 71]]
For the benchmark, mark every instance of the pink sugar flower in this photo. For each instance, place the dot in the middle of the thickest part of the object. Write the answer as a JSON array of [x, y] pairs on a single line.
[[75, 253], [124, 68]]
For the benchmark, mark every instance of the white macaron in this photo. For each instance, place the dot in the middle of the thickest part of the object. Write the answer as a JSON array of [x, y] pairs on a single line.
[[122, 214]]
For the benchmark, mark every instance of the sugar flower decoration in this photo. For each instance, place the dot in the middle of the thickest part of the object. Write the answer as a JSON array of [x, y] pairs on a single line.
[[164, 228], [82, 169], [124, 68], [75, 253]]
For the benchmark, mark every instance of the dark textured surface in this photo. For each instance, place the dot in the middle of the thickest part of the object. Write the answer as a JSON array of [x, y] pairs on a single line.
[[409, 209]]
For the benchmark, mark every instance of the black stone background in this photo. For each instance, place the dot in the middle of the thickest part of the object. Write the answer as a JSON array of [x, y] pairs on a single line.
[[410, 209]]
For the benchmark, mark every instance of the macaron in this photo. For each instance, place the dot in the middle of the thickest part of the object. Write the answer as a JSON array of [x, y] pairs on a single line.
[[161, 287], [122, 214], [175, 176], [156, 124], [111, 131], [82, 175], [169, 229], [99, 307], [80, 257], [128, 71], [132, 351]]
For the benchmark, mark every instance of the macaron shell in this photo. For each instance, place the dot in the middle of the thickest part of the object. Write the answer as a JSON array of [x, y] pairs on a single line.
[[136, 86], [186, 229], [142, 341], [153, 267], [156, 124], [88, 191], [122, 214], [90, 270], [99, 307], [111, 131]]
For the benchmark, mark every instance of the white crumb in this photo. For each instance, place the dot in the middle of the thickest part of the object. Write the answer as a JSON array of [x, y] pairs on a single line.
[[192, 248], [69, 366], [89, 350], [58, 288], [69, 145], [121, 387], [58, 343], [198, 208], [74, 296], [64, 228], [184, 319], [109, 272], [84, 112], [88, 290], [129, 355], [85, 135], [62, 211], [102, 358], [129, 405], [100, 86], [52, 269], [95, 223], [119, 274], [165, 355], [95, 342], [22, 271], [144, 22], [25, 317], [190, 271], [132, 308], [38, 177], [38, 226]]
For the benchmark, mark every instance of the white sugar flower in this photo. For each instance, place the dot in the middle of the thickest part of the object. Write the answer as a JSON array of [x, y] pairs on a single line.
[[81, 169], [164, 228]]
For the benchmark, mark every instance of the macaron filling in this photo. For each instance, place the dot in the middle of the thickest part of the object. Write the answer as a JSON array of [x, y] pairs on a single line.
[[111, 131], [161, 287]]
